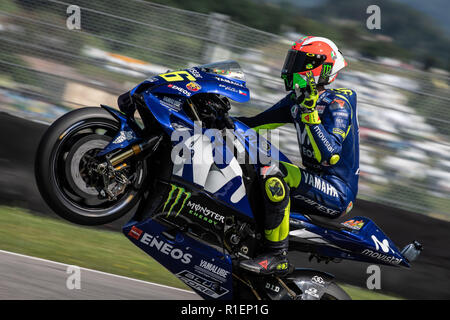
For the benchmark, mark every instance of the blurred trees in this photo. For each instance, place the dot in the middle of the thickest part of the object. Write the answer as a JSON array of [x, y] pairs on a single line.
[[413, 34], [405, 33]]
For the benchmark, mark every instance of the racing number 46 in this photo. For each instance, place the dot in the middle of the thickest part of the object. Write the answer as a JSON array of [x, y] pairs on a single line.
[[177, 76]]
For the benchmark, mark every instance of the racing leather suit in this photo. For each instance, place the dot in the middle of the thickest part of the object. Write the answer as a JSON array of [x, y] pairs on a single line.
[[328, 184]]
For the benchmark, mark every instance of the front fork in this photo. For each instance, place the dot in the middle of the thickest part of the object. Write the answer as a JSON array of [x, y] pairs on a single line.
[[148, 146], [127, 133], [112, 167]]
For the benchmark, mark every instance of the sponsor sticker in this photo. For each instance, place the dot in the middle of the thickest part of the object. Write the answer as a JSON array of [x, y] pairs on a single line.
[[320, 108], [211, 270], [195, 73], [272, 287], [294, 111], [159, 245], [124, 135], [349, 207], [202, 212], [383, 245], [135, 233], [179, 198], [337, 103], [177, 88], [339, 132], [205, 286], [320, 184], [333, 55], [354, 224], [313, 292], [383, 251], [341, 114], [228, 88], [324, 139], [151, 79], [176, 200], [171, 103], [382, 257], [326, 100], [318, 206], [318, 280], [193, 86], [229, 81]]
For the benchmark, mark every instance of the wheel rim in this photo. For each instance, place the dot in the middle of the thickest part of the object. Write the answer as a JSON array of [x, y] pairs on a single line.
[[71, 183], [77, 162]]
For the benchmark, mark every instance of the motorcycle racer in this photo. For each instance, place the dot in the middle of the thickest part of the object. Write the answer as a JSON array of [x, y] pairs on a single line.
[[328, 136]]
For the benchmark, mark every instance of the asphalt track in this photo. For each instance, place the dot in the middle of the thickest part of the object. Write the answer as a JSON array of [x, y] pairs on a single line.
[[428, 278], [29, 278]]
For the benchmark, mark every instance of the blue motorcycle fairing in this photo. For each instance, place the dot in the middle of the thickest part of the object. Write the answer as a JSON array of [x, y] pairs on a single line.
[[202, 82], [228, 174], [368, 244], [124, 138], [209, 83], [201, 267], [252, 144], [250, 139]]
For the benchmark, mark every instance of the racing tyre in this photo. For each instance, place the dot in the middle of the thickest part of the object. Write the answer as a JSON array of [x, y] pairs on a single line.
[[66, 169], [334, 292]]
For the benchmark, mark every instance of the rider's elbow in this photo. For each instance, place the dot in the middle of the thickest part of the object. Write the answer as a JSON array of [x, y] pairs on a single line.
[[330, 158], [334, 159]]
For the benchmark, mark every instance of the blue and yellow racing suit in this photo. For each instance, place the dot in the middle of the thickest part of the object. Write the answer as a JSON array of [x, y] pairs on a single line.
[[328, 183]]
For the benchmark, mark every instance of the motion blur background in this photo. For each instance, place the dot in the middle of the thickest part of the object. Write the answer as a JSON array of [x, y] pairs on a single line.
[[400, 73]]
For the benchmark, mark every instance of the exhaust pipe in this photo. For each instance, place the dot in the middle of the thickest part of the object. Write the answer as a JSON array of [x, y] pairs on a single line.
[[412, 251]]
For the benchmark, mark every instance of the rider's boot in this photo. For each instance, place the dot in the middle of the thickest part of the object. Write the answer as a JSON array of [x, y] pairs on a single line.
[[276, 225], [274, 261]]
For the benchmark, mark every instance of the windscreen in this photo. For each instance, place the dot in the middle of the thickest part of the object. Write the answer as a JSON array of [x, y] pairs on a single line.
[[230, 69]]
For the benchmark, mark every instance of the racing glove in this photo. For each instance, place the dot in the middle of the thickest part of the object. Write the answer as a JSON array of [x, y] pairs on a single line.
[[307, 101]]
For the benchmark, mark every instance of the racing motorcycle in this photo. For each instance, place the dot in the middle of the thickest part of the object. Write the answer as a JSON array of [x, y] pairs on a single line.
[[195, 215]]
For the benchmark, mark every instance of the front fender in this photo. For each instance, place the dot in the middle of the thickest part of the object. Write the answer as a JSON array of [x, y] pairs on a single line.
[[126, 135]]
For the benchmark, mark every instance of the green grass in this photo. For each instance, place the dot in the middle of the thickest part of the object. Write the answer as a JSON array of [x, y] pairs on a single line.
[[357, 293], [87, 247], [108, 251]]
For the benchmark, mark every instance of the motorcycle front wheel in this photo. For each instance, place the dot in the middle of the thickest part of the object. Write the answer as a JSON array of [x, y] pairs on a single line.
[[66, 169]]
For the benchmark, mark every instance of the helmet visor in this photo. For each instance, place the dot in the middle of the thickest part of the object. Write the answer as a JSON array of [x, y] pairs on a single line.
[[298, 61]]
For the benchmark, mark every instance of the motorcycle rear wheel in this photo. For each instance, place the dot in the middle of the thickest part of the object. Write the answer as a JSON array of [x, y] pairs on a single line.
[[334, 292]]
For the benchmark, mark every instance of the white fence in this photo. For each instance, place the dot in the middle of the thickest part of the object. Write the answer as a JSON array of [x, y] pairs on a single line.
[[46, 66]]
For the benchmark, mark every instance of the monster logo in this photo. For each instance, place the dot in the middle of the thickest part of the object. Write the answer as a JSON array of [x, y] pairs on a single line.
[[326, 71], [176, 194]]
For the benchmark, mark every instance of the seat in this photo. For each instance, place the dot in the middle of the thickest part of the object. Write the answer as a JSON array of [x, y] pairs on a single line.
[[327, 223]]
